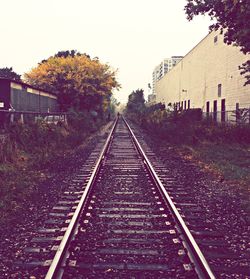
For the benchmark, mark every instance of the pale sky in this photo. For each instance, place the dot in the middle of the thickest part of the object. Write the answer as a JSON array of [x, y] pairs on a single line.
[[132, 36]]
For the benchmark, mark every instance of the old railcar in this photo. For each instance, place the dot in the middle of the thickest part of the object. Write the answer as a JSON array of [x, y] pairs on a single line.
[[19, 96]]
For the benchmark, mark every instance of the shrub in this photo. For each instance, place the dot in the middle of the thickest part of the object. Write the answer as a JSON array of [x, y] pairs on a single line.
[[7, 150], [187, 127]]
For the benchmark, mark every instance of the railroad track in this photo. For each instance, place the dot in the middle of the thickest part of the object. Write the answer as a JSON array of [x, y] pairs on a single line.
[[121, 224]]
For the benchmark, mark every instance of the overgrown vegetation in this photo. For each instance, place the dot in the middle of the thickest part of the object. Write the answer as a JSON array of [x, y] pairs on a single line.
[[231, 161], [226, 148], [29, 151]]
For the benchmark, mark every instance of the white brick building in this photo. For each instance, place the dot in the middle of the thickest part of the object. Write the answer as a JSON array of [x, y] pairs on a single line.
[[208, 77], [160, 70]]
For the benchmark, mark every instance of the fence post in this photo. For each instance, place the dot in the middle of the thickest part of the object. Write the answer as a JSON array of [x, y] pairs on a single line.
[[65, 120], [11, 117], [21, 118]]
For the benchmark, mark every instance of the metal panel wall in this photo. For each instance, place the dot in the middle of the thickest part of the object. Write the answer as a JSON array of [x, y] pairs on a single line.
[[5, 94]]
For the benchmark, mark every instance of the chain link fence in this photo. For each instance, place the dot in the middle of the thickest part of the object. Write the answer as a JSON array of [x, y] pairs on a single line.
[[240, 116]]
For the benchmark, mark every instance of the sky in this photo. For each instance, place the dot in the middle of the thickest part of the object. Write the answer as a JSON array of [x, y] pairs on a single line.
[[132, 36]]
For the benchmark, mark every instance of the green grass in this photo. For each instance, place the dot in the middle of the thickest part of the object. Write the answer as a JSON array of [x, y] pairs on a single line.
[[232, 161]]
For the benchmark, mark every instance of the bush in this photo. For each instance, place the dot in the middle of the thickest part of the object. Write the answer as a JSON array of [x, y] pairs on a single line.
[[187, 127], [7, 150], [35, 136], [226, 133], [42, 140]]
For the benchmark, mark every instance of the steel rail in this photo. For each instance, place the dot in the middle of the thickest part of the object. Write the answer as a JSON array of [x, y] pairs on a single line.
[[203, 269], [69, 233]]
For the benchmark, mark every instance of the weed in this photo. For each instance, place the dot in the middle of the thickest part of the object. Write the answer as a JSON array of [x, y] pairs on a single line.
[[28, 149]]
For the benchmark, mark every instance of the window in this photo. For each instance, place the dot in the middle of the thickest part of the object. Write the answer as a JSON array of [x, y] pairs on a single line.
[[219, 90], [215, 39], [188, 104]]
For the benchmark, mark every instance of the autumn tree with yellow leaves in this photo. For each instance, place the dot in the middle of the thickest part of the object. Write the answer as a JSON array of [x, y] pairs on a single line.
[[81, 83]]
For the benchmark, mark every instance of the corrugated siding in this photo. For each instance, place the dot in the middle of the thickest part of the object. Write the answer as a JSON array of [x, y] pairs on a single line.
[[26, 101]]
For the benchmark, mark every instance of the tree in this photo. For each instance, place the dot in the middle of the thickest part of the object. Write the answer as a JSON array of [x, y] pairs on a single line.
[[80, 82], [9, 74], [114, 104], [233, 17], [136, 102], [66, 53]]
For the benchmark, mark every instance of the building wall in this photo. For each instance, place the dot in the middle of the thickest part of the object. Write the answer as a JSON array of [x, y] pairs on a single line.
[[197, 76], [160, 70], [21, 97], [4, 94]]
